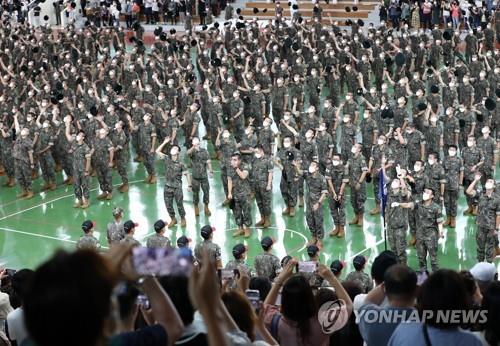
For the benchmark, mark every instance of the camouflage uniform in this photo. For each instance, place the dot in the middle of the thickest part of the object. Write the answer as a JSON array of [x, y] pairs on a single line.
[[242, 208], [87, 242], [102, 149], [369, 130], [488, 146], [46, 160], [6, 158], [22, 146], [488, 211], [121, 155], [355, 168], [289, 178], [173, 187], [267, 265], [81, 181], [258, 178], [130, 240], [338, 176], [115, 232], [278, 96], [199, 159], [158, 240], [428, 218], [453, 166], [316, 186], [362, 278], [397, 223], [227, 147], [325, 145], [471, 156], [347, 140], [379, 151], [145, 135], [213, 250], [435, 177], [413, 142]]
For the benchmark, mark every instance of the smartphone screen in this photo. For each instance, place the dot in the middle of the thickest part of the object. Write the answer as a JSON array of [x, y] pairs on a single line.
[[161, 261], [254, 298], [227, 274], [143, 301], [421, 277], [307, 266]]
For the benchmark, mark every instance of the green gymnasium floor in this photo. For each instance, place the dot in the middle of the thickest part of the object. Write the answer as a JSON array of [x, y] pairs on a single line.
[[30, 230]]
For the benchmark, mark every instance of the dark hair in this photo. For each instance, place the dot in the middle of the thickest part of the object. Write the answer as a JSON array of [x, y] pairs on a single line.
[[353, 288], [261, 284], [241, 311], [444, 290], [469, 281], [381, 263], [491, 303], [176, 286], [127, 299], [298, 304], [71, 291], [324, 295], [400, 281], [20, 281]]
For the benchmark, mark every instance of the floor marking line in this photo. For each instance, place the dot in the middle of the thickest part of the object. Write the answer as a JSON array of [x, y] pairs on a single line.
[[42, 236], [368, 248]]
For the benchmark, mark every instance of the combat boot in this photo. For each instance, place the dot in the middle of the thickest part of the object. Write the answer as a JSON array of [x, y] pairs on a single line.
[[375, 210], [29, 194], [238, 232], [355, 220], [468, 211], [341, 233], [77, 204], [102, 196], [138, 158], [246, 233], [172, 223], [207, 210], [334, 231], [286, 211], [292, 212], [474, 211], [85, 204], [183, 222], [319, 244], [360, 220], [11, 182], [45, 186], [261, 222], [312, 241], [447, 222], [453, 222], [123, 188], [497, 251], [52, 186], [109, 196], [69, 180], [58, 167], [2, 170], [226, 202], [413, 240], [148, 179], [22, 194], [196, 210], [267, 221], [153, 179]]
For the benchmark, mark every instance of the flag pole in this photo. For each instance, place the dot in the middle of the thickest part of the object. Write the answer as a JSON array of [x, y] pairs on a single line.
[[383, 202]]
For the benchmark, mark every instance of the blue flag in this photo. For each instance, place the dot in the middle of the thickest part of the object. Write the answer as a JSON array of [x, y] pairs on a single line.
[[382, 192]]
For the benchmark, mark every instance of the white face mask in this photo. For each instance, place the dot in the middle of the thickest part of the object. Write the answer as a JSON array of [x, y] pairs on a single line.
[[346, 120], [426, 196], [366, 115], [452, 152], [489, 185], [258, 155], [470, 143], [348, 98], [433, 119], [395, 185], [286, 144], [380, 141], [29, 119], [174, 152], [417, 168], [286, 117], [312, 169], [354, 150], [431, 162], [335, 162], [225, 135], [79, 138]]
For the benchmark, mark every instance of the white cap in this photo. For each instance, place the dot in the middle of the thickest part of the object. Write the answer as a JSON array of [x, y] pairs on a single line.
[[483, 271]]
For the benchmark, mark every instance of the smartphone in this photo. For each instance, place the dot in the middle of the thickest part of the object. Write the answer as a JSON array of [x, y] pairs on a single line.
[[254, 298], [278, 300], [421, 277], [307, 266], [10, 272], [161, 261], [143, 301], [227, 274]]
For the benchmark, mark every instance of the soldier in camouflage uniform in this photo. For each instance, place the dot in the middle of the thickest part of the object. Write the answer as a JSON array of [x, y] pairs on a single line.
[[239, 263], [279, 97], [357, 170], [174, 169], [88, 241], [287, 157], [487, 224], [454, 172], [436, 178], [261, 178], [146, 136], [81, 166], [226, 146], [266, 264], [200, 164], [336, 179], [488, 146], [429, 229], [369, 133], [44, 153], [239, 194], [121, 154], [473, 159], [359, 276], [6, 158], [379, 152], [213, 249], [316, 193], [129, 229], [347, 137], [398, 203], [158, 240], [115, 232], [103, 153], [312, 277], [22, 152]]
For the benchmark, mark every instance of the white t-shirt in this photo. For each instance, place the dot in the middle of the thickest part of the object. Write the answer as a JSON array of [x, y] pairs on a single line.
[[17, 329]]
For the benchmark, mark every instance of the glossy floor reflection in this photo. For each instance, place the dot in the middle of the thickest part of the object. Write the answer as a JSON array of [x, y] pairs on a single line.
[[30, 231]]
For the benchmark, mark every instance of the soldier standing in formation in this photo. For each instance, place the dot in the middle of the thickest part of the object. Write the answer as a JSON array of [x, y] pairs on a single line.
[[88, 241], [159, 240], [266, 264]]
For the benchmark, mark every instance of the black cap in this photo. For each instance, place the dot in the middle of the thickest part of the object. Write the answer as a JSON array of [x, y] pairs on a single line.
[[239, 250], [159, 225], [183, 241], [87, 225], [129, 225], [336, 267], [358, 262], [206, 231], [266, 242], [312, 250]]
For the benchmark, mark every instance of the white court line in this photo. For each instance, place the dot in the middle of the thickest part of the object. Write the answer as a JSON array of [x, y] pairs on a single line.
[[368, 248]]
